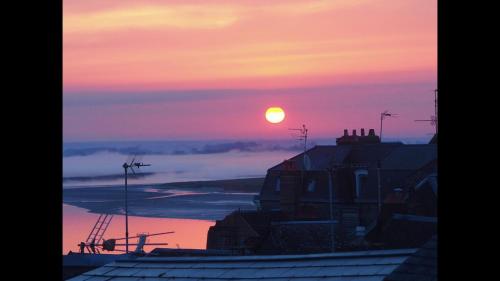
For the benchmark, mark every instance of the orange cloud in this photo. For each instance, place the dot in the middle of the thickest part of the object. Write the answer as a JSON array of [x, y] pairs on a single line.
[[200, 16], [213, 43], [150, 17]]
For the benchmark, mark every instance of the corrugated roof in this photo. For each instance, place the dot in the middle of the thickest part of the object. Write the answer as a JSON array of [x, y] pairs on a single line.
[[362, 266]]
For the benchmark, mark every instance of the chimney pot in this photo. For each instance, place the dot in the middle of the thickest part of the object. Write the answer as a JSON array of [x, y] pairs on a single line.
[[354, 132], [362, 132], [371, 132], [346, 133]]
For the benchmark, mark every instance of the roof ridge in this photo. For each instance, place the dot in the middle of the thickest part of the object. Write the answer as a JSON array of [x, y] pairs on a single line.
[[255, 258]]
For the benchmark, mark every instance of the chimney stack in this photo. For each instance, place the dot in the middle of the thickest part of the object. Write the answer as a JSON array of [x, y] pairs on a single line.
[[362, 139]]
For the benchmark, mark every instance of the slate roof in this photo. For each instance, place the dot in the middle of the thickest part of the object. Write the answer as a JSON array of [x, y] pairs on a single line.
[[77, 259], [422, 265], [164, 252], [410, 157], [423, 172], [320, 155], [393, 155], [354, 266], [370, 153], [434, 139]]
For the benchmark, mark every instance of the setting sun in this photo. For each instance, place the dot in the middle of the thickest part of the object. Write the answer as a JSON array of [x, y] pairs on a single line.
[[275, 114]]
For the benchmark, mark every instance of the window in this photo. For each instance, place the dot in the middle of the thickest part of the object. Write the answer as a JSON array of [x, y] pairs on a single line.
[[311, 186], [361, 181], [278, 185]]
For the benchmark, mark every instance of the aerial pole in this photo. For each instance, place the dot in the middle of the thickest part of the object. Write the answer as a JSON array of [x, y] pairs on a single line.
[[125, 166], [126, 207], [380, 131], [304, 133], [382, 117], [436, 109], [302, 137], [130, 166], [379, 187], [434, 119], [330, 191]]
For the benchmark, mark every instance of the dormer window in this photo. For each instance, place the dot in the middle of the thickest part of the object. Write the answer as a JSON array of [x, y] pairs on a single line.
[[311, 186], [277, 187], [361, 181]]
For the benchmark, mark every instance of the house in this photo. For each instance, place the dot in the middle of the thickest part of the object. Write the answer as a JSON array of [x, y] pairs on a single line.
[[352, 165], [408, 219], [345, 184]]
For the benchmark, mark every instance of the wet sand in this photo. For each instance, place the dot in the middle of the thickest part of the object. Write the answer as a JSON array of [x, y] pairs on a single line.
[[206, 200]]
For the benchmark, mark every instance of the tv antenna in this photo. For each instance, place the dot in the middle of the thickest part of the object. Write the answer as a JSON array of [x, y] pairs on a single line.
[[434, 119], [383, 115], [96, 234], [302, 136], [126, 166], [111, 244]]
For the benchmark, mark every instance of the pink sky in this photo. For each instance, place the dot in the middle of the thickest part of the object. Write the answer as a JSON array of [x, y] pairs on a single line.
[[209, 69]]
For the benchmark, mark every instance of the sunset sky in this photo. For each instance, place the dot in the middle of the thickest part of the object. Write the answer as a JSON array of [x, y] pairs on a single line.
[[140, 70]]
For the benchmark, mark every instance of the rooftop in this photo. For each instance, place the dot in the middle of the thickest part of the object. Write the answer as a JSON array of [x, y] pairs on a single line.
[[355, 266], [420, 266], [393, 155]]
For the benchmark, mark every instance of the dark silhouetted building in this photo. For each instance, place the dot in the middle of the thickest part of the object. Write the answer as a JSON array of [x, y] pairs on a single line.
[[355, 177]]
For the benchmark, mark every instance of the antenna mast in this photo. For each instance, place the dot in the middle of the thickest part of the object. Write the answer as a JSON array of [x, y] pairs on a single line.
[[302, 136], [436, 108], [382, 117], [130, 166], [434, 118]]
